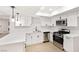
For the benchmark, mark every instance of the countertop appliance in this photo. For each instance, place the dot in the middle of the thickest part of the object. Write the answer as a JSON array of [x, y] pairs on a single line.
[[58, 37]]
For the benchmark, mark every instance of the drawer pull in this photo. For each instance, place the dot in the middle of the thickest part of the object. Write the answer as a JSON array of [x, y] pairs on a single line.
[[68, 37]]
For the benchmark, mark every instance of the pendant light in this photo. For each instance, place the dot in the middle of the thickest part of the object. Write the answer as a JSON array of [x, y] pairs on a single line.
[[17, 16], [13, 20], [18, 19]]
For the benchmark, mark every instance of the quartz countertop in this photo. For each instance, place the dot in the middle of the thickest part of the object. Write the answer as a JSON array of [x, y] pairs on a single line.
[[72, 35], [12, 38]]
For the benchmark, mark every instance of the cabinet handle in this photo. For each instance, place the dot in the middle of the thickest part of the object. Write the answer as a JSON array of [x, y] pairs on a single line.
[[68, 37], [31, 36], [38, 36]]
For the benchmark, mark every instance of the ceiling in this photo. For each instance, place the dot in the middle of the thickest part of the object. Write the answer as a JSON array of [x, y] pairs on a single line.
[[32, 10]]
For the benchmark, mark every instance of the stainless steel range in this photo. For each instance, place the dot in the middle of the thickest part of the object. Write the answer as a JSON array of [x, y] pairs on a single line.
[[58, 37]]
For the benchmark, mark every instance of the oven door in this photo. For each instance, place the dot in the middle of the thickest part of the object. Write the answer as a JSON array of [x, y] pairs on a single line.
[[58, 39]]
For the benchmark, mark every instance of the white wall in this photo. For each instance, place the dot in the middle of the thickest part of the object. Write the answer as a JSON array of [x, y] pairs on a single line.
[[4, 25]]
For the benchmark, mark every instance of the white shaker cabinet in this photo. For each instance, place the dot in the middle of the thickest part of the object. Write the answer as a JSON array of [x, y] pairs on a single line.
[[37, 38], [71, 43], [41, 21], [36, 21], [68, 44], [72, 20], [51, 37], [34, 38], [28, 39]]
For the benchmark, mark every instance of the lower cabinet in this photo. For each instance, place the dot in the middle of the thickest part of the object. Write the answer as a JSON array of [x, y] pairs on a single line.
[[28, 39], [34, 38], [71, 44], [68, 44], [13, 47]]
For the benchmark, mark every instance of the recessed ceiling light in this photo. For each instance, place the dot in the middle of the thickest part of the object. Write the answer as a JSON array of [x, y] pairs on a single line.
[[42, 14], [54, 12], [42, 8], [50, 9]]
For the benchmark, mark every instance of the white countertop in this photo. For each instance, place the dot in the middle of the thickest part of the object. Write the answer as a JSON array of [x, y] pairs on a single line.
[[12, 38], [72, 35]]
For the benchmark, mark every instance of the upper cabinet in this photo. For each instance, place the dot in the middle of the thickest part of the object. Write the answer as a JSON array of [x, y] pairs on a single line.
[[53, 21], [72, 18], [36, 21], [41, 21], [46, 21], [33, 21], [23, 21]]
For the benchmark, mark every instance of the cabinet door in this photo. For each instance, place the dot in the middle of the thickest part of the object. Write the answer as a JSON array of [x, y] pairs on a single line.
[[78, 20], [36, 21], [23, 21], [45, 21], [51, 37], [33, 40], [37, 38], [72, 20], [68, 44], [28, 39]]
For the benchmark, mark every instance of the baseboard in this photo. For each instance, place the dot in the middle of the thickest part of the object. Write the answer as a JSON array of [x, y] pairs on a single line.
[[27, 44]]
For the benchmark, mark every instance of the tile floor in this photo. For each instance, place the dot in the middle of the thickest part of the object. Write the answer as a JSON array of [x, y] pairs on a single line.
[[43, 47]]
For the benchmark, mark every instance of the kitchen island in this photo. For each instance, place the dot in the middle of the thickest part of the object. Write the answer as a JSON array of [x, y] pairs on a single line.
[[13, 43], [34, 38]]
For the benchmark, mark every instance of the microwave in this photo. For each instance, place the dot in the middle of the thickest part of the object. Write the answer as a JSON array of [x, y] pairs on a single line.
[[62, 22]]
